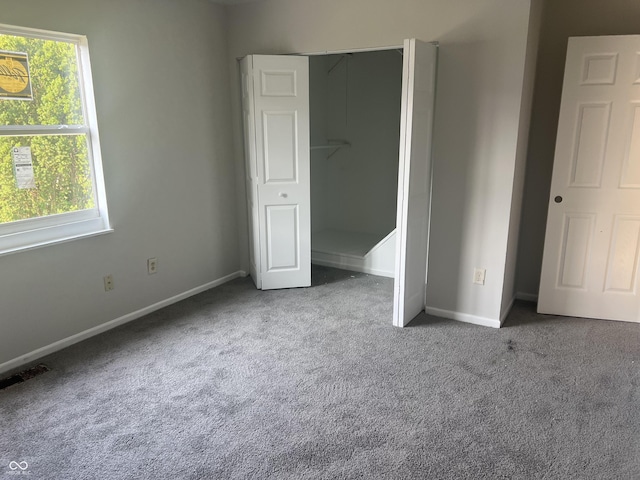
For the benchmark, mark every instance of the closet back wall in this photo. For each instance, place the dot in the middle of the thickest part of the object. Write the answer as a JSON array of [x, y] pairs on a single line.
[[358, 185], [318, 78]]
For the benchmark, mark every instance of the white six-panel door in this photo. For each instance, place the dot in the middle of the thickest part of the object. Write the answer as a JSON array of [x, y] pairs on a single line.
[[414, 179], [278, 183], [590, 265]]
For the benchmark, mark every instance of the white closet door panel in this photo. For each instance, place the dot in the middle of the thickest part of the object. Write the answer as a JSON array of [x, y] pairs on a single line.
[[280, 152], [283, 242], [281, 102], [414, 180], [251, 170]]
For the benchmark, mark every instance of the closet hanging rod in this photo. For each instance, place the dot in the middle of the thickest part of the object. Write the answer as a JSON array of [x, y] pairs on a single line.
[[330, 145]]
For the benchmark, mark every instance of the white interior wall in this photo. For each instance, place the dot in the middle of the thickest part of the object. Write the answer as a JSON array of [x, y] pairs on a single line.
[[318, 134], [337, 104], [167, 162], [560, 21], [509, 290], [478, 105]]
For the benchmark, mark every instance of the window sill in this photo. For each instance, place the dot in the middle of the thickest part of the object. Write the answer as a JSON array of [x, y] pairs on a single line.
[[64, 233]]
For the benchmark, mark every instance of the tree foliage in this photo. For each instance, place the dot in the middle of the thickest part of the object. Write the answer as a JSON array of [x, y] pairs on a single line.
[[60, 162]]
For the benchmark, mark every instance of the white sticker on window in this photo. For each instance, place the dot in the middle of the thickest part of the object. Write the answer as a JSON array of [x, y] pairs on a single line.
[[23, 167]]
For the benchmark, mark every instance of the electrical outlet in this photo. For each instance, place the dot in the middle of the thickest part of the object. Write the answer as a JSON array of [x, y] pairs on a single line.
[[479, 275], [108, 283], [152, 266]]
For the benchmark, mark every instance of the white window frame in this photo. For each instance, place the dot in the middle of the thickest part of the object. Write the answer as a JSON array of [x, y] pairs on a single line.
[[37, 232]]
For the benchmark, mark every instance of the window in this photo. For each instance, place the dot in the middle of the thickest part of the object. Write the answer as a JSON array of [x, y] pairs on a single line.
[[51, 182]]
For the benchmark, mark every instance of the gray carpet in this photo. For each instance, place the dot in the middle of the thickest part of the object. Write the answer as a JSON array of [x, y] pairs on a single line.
[[316, 384]]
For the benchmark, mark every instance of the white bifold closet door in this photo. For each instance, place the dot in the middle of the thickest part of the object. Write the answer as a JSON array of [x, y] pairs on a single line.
[[275, 94], [590, 266], [414, 180], [275, 98]]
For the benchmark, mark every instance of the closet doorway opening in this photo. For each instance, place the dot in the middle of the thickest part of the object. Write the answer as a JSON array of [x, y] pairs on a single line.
[[352, 222], [354, 117]]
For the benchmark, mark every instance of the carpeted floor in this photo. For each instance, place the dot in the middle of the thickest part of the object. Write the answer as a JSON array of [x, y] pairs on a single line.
[[315, 383]]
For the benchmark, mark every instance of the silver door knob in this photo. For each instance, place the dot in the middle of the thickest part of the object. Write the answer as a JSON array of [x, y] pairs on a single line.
[[282, 195]]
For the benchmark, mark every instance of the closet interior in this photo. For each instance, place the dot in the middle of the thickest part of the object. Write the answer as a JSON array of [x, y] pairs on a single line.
[[355, 101]]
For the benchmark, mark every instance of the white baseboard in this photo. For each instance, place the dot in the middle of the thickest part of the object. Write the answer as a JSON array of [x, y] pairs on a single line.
[[103, 327], [527, 297], [344, 263], [463, 317]]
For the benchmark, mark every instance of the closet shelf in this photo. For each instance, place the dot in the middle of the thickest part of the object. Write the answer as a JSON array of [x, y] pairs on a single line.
[[330, 145]]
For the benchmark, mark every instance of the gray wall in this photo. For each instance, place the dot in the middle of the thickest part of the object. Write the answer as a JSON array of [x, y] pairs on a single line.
[[166, 154], [478, 111], [561, 20], [535, 20], [167, 147]]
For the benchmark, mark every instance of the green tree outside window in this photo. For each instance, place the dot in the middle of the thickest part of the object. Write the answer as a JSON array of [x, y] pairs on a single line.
[[61, 162]]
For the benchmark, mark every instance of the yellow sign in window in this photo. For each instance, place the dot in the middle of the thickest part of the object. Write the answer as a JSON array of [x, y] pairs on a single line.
[[15, 81]]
